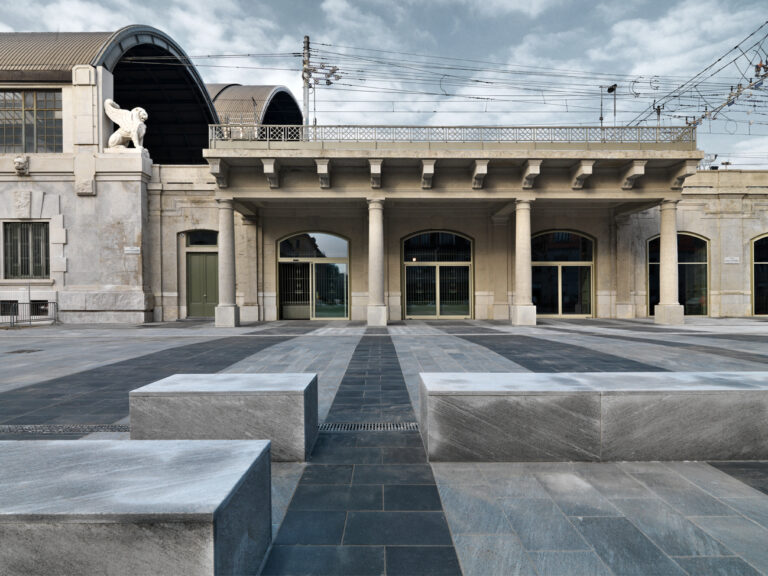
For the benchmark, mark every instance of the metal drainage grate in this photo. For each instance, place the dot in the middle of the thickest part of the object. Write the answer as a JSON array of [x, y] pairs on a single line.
[[366, 426], [62, 428]]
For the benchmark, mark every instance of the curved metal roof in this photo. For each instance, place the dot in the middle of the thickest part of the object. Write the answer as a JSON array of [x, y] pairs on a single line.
[[239, 104], [49, 51], [50, 56], [174, 95]]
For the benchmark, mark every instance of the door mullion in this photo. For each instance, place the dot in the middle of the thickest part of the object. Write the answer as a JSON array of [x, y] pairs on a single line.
[[437, 291], [560, 290], [312, 291]]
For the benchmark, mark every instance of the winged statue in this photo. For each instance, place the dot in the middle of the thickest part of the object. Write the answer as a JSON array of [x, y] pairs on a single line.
[[131, 125]]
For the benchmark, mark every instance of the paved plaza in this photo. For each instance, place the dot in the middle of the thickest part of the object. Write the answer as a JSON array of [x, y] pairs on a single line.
[[367, 502]]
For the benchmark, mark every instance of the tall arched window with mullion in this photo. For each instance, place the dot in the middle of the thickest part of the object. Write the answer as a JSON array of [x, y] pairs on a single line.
[[562, 273], [760, 276]]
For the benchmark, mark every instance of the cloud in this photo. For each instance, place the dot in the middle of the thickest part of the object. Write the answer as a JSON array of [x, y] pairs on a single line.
[[495, 8], [682, 41]]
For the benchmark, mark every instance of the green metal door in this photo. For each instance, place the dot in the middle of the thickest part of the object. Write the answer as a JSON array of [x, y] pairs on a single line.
[[202, 284]]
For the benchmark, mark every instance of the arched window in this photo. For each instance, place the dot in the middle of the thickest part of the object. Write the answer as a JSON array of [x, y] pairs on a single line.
[[437, 247], [562, 273], [313, 276], [760, 275], [438, 275], [692, 274], [314, 245]]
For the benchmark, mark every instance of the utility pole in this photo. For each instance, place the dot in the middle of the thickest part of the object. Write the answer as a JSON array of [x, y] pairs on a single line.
[[306, 75]]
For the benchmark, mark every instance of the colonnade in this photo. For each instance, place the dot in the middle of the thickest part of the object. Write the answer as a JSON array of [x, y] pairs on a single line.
[[523, 310]]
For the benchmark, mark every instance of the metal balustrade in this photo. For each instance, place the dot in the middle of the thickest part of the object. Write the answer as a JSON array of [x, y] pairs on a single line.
[[13, 313], [425, 134]]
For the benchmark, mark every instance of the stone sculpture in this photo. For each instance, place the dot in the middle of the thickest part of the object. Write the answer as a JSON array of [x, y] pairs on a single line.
[[21, 165], [131, 126]]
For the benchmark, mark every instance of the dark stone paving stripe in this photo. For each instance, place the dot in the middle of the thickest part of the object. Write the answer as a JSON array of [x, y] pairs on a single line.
[[539, 355], [753, 474], [735, 354], [379, 482], [702, 348], [373, 371], [100, 395]]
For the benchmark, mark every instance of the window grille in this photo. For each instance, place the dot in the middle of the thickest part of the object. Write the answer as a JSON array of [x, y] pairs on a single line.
[[30, 121], [25, 250]]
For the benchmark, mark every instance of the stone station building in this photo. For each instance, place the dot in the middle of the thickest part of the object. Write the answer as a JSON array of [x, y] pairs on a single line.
[[237, 211]]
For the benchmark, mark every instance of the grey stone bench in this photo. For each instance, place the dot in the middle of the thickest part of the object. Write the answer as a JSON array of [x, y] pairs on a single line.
[[594, 416], [279, 407], [115, 507]]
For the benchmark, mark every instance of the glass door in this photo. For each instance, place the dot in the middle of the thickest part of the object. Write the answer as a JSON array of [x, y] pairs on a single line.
[[454, 290], [294, 291], [437, 291], [562, 290], [576, 290], [420, 291], [546, 289], [330, 290]]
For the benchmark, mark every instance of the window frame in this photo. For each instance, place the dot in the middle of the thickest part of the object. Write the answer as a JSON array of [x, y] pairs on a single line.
[[47, 123], [45, 257]]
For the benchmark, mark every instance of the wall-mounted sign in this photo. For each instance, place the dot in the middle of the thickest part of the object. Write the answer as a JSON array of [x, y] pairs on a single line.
[[731, 260], [132, 250]]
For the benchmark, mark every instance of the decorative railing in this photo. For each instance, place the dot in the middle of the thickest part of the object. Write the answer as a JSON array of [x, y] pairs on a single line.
[[500, 134]]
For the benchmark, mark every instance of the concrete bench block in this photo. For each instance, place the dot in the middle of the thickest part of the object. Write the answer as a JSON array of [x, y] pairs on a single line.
[[280, 407], [126, 508], [594, 416]]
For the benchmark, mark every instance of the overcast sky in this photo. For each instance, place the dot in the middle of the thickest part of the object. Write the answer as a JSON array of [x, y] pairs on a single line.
[[556, 53]]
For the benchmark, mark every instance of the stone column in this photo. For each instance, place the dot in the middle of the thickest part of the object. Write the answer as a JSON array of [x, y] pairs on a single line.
[[227, 312], [500, 267], [625, 307], [668, 310], [377, 310], [523, 310]]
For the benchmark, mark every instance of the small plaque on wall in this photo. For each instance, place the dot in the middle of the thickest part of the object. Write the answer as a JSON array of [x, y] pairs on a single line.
[[132, 250], [731, 260]]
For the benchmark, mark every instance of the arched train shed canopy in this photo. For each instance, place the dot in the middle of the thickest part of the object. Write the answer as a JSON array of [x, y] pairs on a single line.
[[236, 104], [150, 70]]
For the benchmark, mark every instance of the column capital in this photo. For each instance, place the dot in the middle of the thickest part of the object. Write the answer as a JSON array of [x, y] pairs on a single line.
[[225, 203], [668, 204], [523, 204], [375, 203]]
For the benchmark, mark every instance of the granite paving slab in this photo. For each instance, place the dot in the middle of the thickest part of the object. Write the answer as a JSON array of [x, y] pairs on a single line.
[[624, 549]]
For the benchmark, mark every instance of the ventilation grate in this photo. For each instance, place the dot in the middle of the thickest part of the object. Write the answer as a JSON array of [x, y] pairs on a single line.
[[366, 426], [62, 428]]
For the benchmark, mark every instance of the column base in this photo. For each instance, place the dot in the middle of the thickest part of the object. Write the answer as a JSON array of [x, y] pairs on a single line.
[[523, 315], [227, 316], [625, 311], [501, 311], [249, 313], [671, 314], [377, 315]]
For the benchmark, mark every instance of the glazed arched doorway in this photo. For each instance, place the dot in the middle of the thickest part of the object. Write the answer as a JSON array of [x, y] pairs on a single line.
[[563, 273], [313, 277], [437, 272]]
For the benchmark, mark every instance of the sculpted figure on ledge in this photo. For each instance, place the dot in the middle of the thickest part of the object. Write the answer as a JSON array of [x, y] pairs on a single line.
[[131, 124]]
